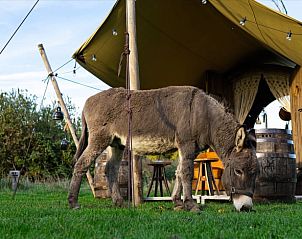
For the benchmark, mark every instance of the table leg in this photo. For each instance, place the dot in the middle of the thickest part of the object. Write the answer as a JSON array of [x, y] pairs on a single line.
[[161, 181], [209, 178], [199, 178], [166, 182], [156, 181], [151, 184], [203, 183]]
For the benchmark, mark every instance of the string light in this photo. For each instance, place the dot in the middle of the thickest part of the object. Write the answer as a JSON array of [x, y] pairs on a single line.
[[204, 2], [114, 32], [93, 57], [242, 21], [289, 35]]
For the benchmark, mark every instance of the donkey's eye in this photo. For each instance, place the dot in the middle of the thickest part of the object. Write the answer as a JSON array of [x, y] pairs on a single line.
[[238, 172]]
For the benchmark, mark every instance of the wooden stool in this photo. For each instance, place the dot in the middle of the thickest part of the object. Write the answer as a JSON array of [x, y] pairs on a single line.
[[159, 176], [205, 170]]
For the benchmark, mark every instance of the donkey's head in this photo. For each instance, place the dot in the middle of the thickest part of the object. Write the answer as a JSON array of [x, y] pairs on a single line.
[[241, 169]]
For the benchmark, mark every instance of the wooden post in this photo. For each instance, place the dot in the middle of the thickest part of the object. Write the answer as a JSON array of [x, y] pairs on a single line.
[[296, 113], [134, 85], [133, 57], [64, 108]]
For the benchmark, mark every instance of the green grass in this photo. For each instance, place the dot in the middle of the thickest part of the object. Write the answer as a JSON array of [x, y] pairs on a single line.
[[41, 211]]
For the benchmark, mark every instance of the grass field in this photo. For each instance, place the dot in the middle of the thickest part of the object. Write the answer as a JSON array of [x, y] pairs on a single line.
[[41, 211]]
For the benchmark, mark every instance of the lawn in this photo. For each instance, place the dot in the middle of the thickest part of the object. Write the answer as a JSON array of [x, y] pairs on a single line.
[[41, 211]]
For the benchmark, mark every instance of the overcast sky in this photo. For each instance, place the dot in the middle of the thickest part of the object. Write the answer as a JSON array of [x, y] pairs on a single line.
[[61, 26]]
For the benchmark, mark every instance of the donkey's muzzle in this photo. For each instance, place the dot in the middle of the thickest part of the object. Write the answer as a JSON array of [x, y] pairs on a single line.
[[242, 202]]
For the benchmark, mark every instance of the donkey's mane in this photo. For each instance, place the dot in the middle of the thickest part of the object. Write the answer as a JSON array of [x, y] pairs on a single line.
[[224, 127], [223, 102]]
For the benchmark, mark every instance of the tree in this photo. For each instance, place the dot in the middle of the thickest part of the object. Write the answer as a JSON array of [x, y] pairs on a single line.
[[30, 139]]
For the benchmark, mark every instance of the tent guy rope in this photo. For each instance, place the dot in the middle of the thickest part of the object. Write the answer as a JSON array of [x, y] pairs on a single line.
[[19, 27]]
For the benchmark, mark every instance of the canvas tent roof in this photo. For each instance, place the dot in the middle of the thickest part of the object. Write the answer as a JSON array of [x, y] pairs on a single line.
[[180, 40]]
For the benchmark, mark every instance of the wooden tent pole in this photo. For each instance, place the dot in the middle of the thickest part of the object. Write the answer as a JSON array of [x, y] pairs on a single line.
[[133, 57], [137, 192], [64, 108], [296, 113]]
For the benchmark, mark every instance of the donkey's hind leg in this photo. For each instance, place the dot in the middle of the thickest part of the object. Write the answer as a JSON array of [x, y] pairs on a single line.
[[176, 194], [112, 171]]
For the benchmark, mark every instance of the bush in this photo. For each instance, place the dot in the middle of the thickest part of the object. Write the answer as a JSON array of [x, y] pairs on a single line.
[[30, 139]]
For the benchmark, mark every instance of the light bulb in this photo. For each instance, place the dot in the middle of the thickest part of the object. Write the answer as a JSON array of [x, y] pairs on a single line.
[[93, 57], [242, 21], [289, 36], [114, 32]]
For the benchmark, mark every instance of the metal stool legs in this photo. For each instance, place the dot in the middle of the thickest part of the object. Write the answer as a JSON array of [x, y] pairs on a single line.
[[159, 177]]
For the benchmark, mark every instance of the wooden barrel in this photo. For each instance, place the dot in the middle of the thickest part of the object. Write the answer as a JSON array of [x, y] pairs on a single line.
[[100, 181], [277, 177], [101, 186], [123, 178]]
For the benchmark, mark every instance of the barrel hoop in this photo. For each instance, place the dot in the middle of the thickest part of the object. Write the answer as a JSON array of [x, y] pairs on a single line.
[[124, 163], [104, 187], [276, 155], [275, 180], [273, 131], [274, 140]]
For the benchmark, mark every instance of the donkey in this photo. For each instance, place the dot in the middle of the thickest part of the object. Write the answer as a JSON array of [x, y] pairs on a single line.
[[179, 118]]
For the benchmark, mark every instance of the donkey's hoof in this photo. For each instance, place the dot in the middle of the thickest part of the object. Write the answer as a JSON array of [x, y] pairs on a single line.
[[118, 202], [178, 208], [191, 206], [74, 205], [195, 209]]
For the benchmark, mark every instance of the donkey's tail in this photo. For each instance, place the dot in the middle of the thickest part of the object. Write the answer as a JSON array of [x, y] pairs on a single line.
[[83, 142]]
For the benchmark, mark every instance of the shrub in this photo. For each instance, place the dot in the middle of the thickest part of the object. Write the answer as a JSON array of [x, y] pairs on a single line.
[[30, 139]]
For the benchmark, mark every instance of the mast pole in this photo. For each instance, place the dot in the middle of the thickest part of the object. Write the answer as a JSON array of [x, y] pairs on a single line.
[[64, 108]]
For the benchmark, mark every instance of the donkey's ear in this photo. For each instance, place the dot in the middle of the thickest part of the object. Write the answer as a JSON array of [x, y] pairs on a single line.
[[240, 137]]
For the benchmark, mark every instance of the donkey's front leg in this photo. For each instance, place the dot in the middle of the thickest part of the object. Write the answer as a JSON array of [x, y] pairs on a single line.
[[80, 168], [187, 155]]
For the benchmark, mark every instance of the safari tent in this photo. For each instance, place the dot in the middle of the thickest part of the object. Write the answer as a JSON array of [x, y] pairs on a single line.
[[241, 51]]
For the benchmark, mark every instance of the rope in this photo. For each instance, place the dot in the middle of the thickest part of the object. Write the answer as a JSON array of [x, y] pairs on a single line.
[[277, 5], [78, 83], [129, 138], [73, 71], [48, 78], [257, 22], [125, 55], [62, 65], [283, 5], [269, 27], [19, 27]]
